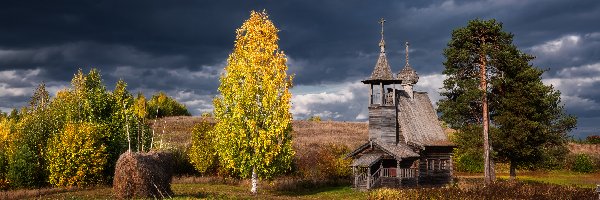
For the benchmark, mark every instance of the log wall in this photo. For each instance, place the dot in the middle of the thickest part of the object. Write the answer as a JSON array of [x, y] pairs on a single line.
[[383, 123], [435, 167]]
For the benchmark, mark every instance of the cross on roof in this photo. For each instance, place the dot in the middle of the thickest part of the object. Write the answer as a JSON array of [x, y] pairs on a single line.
[[381, 22], [407, 52]]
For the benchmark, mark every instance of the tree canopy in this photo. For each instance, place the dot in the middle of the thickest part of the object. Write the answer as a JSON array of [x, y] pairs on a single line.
[[161, 105], [253, 127], [524, 113]]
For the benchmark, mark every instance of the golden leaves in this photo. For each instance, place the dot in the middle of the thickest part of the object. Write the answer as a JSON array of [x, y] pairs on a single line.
[[254, 122]]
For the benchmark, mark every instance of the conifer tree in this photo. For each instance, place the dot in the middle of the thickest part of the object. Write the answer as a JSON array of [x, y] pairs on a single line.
[[472, 61], [483, 65], [530, 119], [253, 129]]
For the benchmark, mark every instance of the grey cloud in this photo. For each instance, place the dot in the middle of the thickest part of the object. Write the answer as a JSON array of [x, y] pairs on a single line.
[[181, 48]]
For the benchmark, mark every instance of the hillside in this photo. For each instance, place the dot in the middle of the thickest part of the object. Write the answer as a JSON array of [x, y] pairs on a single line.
[[306, 133], [177, 131]]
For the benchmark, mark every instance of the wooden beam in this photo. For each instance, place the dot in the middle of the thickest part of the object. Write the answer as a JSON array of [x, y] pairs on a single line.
[[382, 93], [370, 94]]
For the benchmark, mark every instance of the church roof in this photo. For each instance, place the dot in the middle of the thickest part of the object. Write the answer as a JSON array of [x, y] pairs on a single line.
[[382, 70], [398, 151], [418, 121], [408, 75], [366, 160]]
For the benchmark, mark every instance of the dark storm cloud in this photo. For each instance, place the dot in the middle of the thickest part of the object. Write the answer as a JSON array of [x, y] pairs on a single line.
[[182, 47]]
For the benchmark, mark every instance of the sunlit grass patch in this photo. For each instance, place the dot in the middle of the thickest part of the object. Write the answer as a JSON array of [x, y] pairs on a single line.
[[567, 178]]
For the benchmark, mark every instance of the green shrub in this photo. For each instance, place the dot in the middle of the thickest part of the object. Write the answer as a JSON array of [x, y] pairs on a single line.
[[202, 153], [79, 156], [181, 162], [583, 163], [593, 139], [3, 169], [22, 171], [468, 162]]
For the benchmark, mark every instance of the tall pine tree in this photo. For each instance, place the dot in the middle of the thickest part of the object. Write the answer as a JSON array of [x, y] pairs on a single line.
[[530, 118], [483, 65], [253, 131]]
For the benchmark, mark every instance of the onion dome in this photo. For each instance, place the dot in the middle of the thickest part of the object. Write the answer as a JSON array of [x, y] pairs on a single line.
[[408, 75]]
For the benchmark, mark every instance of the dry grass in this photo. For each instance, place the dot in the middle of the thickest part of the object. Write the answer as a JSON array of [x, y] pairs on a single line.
[[497, 190], [307, 133], [590, 149], [177, 131]]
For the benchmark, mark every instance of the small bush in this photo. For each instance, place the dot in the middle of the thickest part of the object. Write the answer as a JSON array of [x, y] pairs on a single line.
[[469, 162], [583, 163], [22, 171], [202, 153], [79, 156], [181, 162], [325, 162], [3, 170], [314, 118], [593, 139]]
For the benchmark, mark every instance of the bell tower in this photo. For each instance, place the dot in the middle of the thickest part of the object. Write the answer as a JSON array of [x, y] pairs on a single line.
[[382, 98]]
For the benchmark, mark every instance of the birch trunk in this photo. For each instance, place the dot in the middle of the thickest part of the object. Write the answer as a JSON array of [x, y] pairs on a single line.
[[254, 181]]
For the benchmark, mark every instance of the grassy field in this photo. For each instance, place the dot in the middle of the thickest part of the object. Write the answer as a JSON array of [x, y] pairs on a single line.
[[467, 183], [308, 136], [566, 178]]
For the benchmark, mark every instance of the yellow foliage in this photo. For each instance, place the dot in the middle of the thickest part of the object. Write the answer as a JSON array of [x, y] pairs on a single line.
[[254, 122], [202, 152], [78, 157]]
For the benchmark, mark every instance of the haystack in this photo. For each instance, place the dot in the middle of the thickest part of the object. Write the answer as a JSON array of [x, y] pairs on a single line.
[[143, 175]]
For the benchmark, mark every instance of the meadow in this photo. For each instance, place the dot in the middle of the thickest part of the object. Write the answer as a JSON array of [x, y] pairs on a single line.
[[310, 182]]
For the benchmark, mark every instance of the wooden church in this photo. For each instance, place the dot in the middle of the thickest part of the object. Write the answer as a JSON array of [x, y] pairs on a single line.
[[407, 145]]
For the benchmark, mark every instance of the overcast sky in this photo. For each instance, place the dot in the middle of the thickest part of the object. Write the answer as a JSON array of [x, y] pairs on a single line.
[[181, 48]]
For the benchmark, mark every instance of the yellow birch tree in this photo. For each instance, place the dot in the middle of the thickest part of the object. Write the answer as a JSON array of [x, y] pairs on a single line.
[[253, 130]]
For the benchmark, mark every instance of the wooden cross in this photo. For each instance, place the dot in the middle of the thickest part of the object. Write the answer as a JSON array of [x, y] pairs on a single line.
[[381, 22], [407, 52]]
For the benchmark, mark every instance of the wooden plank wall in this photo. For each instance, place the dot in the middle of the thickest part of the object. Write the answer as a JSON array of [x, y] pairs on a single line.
[[382, 123], [436, 176]]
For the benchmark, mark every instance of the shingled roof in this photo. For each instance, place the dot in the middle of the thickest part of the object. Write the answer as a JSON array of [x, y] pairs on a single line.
[[408, 75], [367, 159], [382, 69], [398, 151], [418, 121]]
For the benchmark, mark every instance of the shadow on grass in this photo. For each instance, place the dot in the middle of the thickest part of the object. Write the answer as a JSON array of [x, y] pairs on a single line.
[[306, 192]]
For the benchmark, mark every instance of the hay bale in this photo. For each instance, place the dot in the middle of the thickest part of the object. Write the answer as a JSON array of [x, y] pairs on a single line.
[[143, 175]]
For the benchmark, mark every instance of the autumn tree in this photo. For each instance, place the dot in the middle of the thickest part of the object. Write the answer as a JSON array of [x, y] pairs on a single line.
[[202, 152], [253, 129], [27, 166], [140, 109], [161, 105]]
